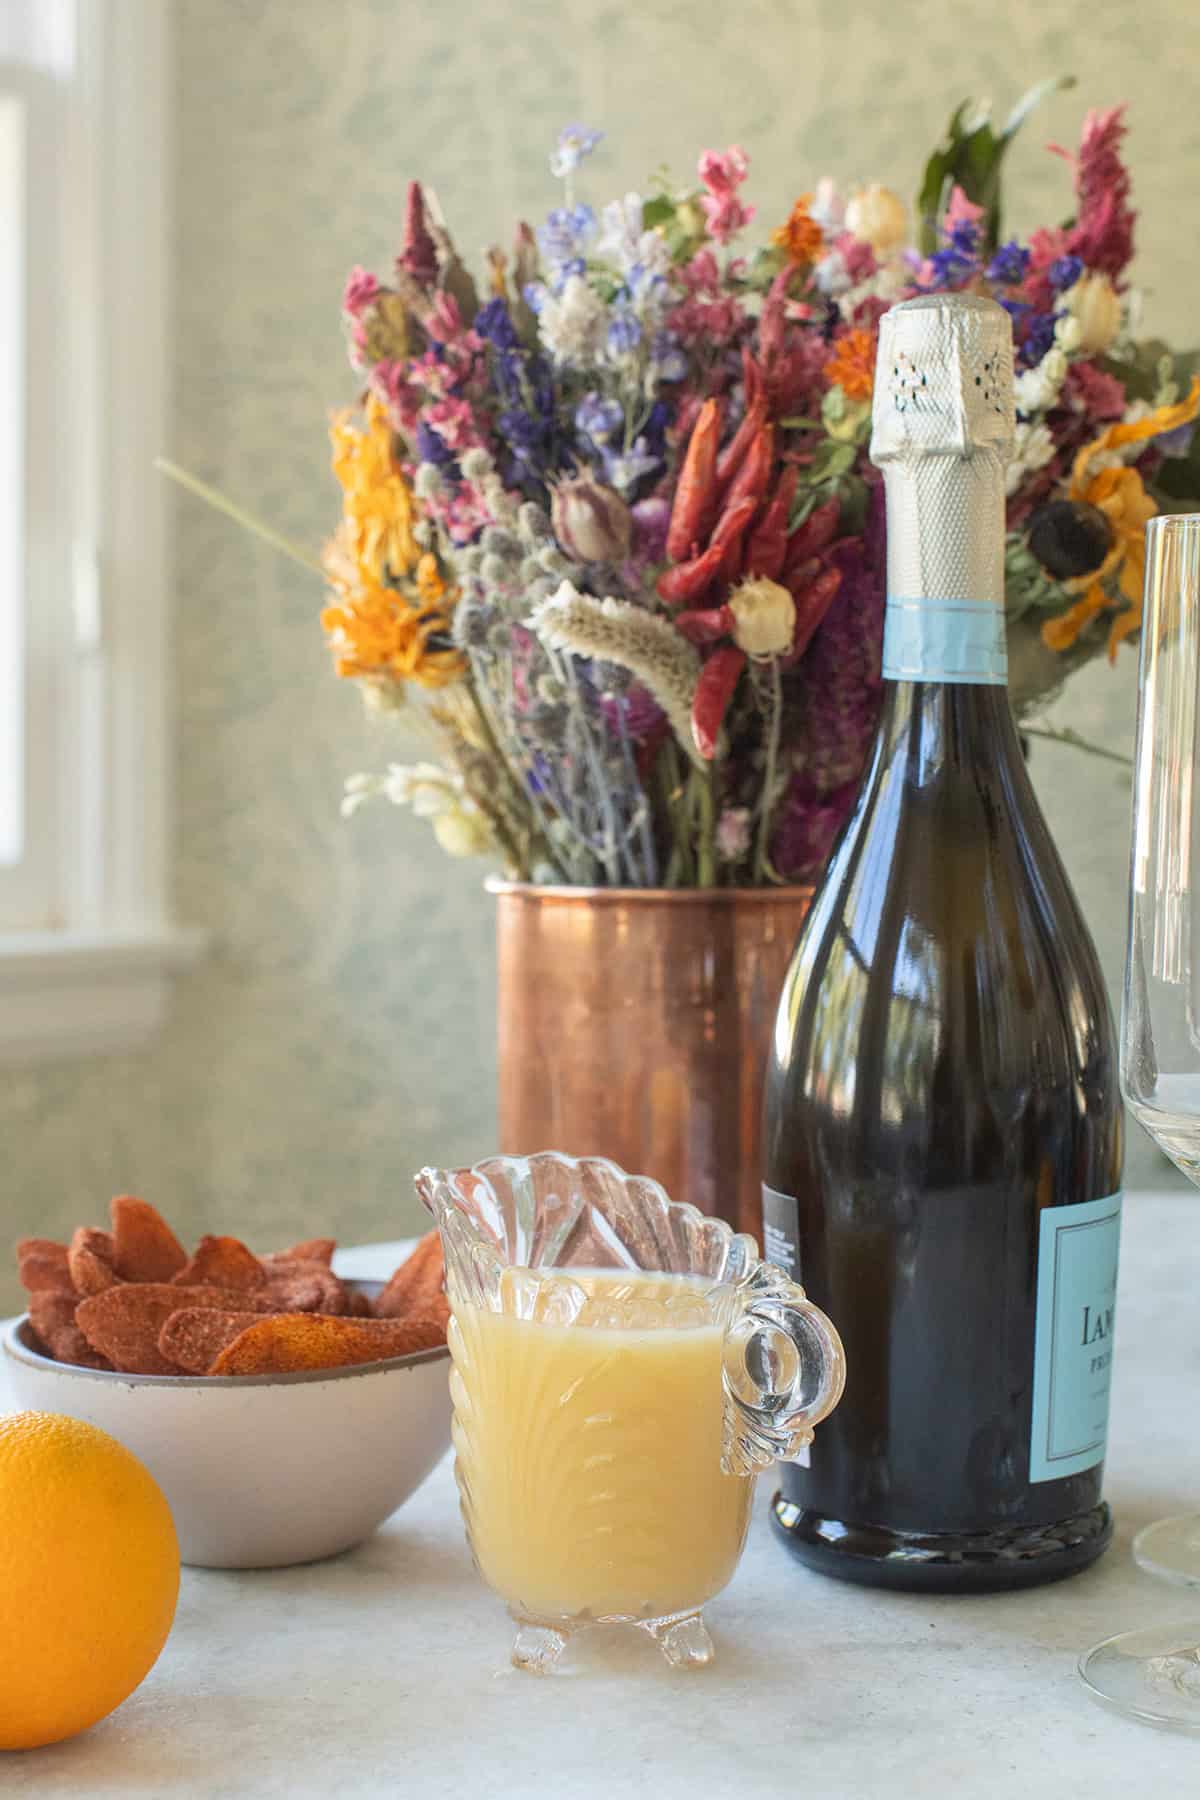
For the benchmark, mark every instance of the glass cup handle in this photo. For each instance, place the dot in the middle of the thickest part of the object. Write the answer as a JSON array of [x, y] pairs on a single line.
[[783, 1370]]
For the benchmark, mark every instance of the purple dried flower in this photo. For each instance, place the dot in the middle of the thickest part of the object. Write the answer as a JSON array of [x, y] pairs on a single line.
[[1064, 272], [651, 519], [573, 144], [807, 827], [1009, 266], [624, 334], [1039, 337], [433, 448], [563, 239], [598, 419], [494, 322]]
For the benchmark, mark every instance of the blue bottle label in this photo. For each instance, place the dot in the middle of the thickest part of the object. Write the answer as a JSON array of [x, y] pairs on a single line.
[[945, 640], [1076, 1310]]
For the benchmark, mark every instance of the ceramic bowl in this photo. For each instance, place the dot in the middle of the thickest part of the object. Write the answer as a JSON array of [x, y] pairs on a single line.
[[261, 1471]]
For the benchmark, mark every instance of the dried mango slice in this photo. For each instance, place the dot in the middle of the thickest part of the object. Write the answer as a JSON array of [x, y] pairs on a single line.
[[415, 1289], [123, 1322], [146, 1247], [194, 1336], [42, 1263], [52, 1315], [222, 1262], [91, 1259], [286, 1342], [319, 1249]]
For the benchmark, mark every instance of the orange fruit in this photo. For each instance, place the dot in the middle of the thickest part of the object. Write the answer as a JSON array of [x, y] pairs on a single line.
[[89, 1576]]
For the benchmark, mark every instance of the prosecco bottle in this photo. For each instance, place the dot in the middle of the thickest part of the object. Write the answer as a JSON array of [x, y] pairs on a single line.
[[943, 1125]]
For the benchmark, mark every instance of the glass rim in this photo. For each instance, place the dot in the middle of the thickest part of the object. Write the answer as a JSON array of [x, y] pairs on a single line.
[[1166, 524]]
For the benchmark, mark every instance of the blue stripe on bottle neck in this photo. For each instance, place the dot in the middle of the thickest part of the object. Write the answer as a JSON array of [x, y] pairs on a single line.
[[945, 640]]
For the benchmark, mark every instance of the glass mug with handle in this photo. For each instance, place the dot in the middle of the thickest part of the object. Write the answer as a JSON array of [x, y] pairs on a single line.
[[623, 1368]]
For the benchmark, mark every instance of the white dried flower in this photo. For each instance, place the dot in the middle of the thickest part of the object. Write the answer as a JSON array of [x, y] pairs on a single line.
[[830, 275], [462, 830], [733, 833], [532, 523], [427, 482], [1089, 316], [618, 632], [764, 617], [879, 217], [499, 542], [1033, 448], [574, 324], [623, 242], [1036, 389], [827, 206], [358, 789], [426, 787], [551, 560], [476, 463]]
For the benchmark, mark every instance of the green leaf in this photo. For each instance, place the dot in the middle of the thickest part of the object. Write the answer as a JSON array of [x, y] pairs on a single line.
[[971, 158], [1041, 90], [657, 211]]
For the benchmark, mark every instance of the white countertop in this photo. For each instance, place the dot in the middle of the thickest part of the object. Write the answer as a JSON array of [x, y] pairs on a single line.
[[385, 1672]]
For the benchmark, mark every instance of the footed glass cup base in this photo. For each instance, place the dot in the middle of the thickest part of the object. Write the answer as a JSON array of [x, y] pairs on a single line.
[[1151, 1675], [682, 1637], [1170, 1549]]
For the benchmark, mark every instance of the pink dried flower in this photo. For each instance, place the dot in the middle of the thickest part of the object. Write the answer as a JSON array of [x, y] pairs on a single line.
[[709, 315], [418, 257], [360, 290], [733, 833], [960, 211], [455, 423], [701, 275], [722, 174], [1103, 231], [1102, 235], [857, 256], [1094, 392]]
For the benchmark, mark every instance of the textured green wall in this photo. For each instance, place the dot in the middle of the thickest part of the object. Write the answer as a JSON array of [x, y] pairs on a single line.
[[340, 1035]]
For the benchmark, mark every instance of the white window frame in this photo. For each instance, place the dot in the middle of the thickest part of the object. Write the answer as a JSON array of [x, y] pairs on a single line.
[[95, 973]]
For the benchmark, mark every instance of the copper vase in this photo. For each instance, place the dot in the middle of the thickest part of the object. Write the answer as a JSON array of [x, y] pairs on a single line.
[[634, 1023]]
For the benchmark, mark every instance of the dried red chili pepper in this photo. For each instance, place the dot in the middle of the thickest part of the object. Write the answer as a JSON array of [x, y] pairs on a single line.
[[753, 420], [714, 690], [769, 539], [695, 494], [810, 538], [706, 625], [752, 478], [730, 531], [688, 581], [812, 603]]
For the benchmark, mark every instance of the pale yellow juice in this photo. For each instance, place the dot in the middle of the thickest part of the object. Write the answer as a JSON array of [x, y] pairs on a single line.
[[590, 1454]]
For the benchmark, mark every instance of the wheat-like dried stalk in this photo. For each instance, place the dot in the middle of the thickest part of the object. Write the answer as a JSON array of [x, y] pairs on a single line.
[[616, 631]]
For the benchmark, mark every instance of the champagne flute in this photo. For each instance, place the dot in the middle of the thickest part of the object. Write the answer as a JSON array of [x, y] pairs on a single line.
[[1154, 1674]]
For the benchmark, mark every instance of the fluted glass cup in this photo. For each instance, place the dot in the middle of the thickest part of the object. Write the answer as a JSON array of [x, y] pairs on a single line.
[[623, 1367], [1154, 1675]]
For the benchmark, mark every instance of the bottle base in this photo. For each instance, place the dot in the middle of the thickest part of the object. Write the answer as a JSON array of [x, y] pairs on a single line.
[[943, 1563]]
